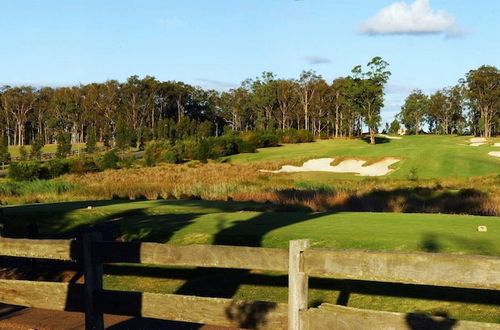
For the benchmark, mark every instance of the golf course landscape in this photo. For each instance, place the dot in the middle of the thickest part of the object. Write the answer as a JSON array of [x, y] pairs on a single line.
[[230, 202]]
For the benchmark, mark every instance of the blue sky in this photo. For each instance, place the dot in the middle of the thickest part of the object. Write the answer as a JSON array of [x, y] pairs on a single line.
[[218, 43]]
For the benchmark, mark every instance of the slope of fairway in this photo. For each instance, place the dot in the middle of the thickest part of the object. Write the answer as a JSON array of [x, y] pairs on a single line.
[[427, 156], [252, 224]]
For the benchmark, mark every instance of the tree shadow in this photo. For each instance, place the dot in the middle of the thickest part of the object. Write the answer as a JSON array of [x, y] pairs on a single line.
[[439, 321], [378, 139], [430, 243], [224, 283]]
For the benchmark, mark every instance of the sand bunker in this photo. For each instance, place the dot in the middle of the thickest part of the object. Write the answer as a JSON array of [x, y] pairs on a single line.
[[496, 144], [390, 137], [346, 166], [477, 141], [494, 153]]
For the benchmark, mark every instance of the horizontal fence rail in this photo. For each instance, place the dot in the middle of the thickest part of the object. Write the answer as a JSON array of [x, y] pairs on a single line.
[[216, 256], [481, 272], [39, 248], [300, 262]]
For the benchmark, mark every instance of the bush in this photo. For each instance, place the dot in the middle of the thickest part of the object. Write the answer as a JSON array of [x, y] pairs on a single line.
[[263, 139], [57, 167], [202, 151], [29, 188], [63, 144], [109, 160], [27, 171], [162, 151], [245, 146], [83, 165]]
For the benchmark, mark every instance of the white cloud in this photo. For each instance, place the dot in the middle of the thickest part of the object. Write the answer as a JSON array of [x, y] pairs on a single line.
[[316, 59], [417, 18]]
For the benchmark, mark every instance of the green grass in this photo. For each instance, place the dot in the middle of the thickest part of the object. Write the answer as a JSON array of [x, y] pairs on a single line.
[[231, 223], [431, 156], [252, 224], [48, 148]]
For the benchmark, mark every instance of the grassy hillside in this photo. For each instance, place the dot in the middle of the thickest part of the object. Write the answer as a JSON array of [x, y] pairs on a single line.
[[253, 224], [429, 155]]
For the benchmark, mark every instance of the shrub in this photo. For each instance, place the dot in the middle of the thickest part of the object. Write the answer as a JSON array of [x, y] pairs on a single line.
[[264, 139], [26, 171], [162, 151], [4, 151], [91, 144], [109, 160], [36, 149], [82, 165], [30, 188], [245, 146], [23, 153], [63, 145], [202, 151], [57, 167]]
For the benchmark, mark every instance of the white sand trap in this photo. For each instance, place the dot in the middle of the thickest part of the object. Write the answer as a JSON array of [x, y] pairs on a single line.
[[494, 153], [477, 141], [391, 137], [346, 166], [496, 144]]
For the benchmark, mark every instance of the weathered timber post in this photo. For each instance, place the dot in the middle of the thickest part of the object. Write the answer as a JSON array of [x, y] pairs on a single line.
[[93, 282], [297, 283]]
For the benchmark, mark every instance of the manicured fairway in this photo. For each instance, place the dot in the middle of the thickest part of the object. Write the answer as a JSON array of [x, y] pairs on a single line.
[[429, 156], [252, 224]]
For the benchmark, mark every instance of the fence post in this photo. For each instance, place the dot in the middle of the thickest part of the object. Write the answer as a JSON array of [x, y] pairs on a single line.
[[93, 282], [297, 283]]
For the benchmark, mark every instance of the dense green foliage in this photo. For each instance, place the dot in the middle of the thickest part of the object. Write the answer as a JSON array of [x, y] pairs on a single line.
[[109, 160]]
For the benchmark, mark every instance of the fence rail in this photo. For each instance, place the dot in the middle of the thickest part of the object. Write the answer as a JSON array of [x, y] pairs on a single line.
[[300, 261]]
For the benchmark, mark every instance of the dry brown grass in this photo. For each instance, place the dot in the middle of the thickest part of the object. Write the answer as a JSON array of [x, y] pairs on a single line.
[[226, 181]]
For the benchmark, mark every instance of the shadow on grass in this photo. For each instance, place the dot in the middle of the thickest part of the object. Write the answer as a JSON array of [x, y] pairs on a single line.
[[378, 139], [402, 200], [135, 224]]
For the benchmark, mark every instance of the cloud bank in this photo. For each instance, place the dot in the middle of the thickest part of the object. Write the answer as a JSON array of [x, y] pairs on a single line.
[[417, 18], [317, 60]]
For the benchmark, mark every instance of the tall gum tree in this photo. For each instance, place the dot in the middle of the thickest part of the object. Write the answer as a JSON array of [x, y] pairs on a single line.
[[482, 87], [369, 91], [414, 110]]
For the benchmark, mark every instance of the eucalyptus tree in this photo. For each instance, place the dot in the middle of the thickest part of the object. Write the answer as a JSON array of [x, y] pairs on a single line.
[[307, 88], [445, 109], [288, 101], [42, 111], [482, 88], [18, 103], [264, 99], [414, 110], [344, 106], [369, 91]]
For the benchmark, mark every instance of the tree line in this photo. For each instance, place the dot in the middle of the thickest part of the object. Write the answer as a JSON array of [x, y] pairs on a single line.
[[472, 106], [130, 113], [143, 109]]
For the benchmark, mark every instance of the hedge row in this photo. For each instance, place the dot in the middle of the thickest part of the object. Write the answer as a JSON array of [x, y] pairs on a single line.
[[35, 170]]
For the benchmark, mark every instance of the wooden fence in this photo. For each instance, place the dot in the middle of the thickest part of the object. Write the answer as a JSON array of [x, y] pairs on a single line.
[[299, 261]]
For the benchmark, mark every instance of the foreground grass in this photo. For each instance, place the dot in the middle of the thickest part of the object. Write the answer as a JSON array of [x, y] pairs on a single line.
[[253, 224], [426, 156]]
